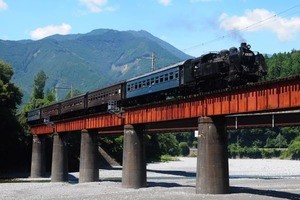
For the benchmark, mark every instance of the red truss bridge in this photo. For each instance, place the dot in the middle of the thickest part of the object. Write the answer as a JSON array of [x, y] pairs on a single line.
[[270, 102]]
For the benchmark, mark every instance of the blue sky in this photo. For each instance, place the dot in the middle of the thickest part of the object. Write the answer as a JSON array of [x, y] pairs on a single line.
[[193, 26]]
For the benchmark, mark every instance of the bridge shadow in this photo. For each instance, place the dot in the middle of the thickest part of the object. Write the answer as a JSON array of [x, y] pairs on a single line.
[[166, 184], [178, 175], [269, 193], [253, 177], [175, 173]]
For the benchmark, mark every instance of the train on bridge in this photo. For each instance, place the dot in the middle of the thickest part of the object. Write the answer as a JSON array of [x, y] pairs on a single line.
[[216, 70]]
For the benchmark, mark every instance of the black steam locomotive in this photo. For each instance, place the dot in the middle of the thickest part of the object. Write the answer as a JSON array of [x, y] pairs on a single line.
[[228, 68], [208, 72]]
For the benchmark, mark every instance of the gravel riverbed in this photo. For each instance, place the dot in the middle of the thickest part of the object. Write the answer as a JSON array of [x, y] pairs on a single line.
[[249, 179]]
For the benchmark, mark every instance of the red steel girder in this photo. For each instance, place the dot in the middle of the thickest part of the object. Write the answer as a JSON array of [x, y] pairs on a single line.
[[283, 94]]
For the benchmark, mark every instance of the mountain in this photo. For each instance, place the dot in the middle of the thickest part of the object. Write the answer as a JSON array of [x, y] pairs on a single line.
[[86, 61]]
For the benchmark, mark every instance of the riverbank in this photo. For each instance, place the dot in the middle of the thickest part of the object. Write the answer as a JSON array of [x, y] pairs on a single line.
[[249, 179]]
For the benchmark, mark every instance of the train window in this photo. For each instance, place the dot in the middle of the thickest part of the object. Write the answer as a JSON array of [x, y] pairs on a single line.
[[156, 80], [161, 78], [140, 85], [166, 77], [152, 81], [135, 86], [144, 84], [176, 75], [148, 82], [171, 76]]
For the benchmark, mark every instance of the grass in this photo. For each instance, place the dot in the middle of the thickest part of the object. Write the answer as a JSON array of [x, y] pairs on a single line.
[[167, 158]]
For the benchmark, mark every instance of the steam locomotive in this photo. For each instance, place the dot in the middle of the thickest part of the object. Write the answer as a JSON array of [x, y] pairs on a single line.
[[227, 68]]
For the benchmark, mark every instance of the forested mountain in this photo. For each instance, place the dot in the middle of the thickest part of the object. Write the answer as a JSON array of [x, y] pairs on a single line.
[[86, 61]]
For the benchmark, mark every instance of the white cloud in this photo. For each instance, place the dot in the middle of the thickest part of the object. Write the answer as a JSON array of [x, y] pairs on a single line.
[[165, 2], [97, 6], [3, 5], [262, 19], [42, 32]]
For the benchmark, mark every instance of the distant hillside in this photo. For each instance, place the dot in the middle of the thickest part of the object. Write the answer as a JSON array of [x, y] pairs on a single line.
[[86, 61]]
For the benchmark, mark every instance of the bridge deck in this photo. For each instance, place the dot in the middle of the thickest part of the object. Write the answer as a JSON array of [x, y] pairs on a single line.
[[282, 94]]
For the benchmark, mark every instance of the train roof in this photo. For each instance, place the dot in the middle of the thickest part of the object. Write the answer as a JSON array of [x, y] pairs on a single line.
[[157, 71], [107, 86]]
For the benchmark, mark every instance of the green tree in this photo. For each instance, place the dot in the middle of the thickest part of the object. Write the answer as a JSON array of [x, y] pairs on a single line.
[[280, 141], [10, 97], [50, 95], [294, 148], [270, 143], [168, 144], [184, 148], [187, 137], [290, 133], [38, 99], [283, 64], [39, 85]]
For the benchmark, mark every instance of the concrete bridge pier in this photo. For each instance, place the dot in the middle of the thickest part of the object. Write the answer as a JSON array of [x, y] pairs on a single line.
[[38, 163], [134, 163], [59, 168], [88, 169], [212, 158]]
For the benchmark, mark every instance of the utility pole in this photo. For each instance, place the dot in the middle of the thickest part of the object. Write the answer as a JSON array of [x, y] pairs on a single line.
[[153, 62]]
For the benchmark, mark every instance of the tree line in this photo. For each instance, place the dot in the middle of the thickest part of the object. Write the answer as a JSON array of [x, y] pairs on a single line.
[[15, 137], [276, 142]]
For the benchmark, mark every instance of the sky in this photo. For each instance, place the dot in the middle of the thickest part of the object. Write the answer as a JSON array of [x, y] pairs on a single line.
[[193, 26]]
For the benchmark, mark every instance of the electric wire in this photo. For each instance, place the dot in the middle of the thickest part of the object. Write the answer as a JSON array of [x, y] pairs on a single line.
[[252, 26]]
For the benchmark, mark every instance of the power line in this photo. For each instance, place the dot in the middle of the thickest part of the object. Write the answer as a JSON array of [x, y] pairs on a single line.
[[254, 25]]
